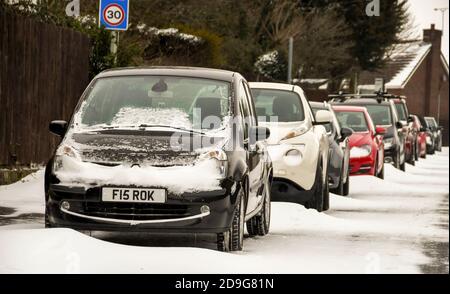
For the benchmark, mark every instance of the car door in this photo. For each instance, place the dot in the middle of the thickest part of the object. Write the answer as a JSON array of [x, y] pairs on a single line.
[[255, 160]]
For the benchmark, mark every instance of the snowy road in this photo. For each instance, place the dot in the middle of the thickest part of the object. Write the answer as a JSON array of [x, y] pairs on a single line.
[[399, 225]]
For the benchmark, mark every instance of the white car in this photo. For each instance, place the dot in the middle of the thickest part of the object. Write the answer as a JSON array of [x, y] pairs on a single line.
[[298, 144]]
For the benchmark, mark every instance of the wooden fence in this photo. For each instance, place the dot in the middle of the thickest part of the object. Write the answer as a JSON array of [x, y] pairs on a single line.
[[43, 71]]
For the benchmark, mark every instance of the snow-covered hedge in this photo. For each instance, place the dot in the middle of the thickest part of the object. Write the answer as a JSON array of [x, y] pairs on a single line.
[[271, 65]]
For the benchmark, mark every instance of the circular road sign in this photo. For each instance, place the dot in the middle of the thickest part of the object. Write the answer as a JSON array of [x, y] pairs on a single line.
[[114, 14]]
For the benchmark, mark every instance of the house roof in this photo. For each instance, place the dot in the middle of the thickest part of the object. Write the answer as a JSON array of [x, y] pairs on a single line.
[[400, 65]]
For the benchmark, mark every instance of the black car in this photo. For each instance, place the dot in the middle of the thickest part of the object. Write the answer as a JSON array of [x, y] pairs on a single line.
[[164, 149], [339, 158], [434, 134], [383, 113]]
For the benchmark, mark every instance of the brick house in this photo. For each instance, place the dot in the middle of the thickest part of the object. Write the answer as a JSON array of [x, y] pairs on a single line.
[[418, 71]]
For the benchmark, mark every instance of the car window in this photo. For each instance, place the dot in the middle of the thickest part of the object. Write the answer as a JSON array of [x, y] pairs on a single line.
[[251, 106], [353, 120], [244, 109], [431, 122], [155, 100], [401, 111], [380, 114], [286, 106]]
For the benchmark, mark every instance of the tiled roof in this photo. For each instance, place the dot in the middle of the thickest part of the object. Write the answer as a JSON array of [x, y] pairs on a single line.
[[400, 65]]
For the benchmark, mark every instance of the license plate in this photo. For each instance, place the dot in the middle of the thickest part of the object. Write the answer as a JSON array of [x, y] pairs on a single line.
[[134, 195]]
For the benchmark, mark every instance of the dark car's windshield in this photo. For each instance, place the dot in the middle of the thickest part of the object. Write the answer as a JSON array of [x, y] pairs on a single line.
[[380, 114], [401, 111], [286, 106], [353, 120], [182, 102], [431, 122]]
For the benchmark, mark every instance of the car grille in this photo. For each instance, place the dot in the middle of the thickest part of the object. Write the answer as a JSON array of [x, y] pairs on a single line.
[[135, 211]]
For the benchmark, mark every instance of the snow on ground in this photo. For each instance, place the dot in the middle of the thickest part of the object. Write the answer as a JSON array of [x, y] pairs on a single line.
[[399, 225]]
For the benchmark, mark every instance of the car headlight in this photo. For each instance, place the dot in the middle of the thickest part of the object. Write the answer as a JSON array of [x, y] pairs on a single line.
[[61, 152], [388, 143], [296, 132], [361, 151], [221, 159]]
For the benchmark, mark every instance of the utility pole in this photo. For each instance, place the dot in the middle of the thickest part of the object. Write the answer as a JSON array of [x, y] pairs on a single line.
[[441, 79], [290, 59], [114, 45]]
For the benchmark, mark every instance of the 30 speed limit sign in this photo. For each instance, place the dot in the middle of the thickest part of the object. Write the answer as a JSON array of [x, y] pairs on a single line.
[[113, 14]]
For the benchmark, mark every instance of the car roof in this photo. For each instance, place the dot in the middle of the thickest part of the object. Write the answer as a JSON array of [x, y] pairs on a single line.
[[272, 86], [349, 108], [320, 105], [197, 72], [359, 101]]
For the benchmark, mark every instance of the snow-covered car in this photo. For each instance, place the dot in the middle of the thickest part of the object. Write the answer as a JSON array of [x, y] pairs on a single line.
[[298, 144], [339, 158], [164, 149], [366, 143]]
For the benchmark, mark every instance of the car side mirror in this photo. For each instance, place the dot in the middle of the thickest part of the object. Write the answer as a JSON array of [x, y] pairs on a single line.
[[399, 125], [380, 131], [440, 128], [323, 117], [58, 127], [259, 134], [346, 132]]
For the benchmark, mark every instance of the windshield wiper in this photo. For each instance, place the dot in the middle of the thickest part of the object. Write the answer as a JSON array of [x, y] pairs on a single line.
[[171, 127]]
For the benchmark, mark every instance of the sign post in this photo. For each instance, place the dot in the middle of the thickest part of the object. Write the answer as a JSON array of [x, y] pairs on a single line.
[[113, 16]]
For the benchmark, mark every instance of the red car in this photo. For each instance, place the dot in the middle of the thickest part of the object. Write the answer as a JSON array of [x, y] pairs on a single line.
[[366, 143], [421, 137]]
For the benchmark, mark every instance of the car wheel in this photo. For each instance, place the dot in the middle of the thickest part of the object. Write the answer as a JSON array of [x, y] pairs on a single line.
[[46, 219], [412, 158], [424, 156], [340, 188], [380, 175], [403, 166], [316, 201], [259, 224], [397, 160], [416, 152], [326, 196], [233, 239], [346, 191]]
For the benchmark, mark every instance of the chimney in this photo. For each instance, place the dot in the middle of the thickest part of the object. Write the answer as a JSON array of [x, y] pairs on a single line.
[[433, 36]]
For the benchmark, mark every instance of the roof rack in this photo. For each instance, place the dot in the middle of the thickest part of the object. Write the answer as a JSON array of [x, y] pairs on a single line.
[[379, 96]]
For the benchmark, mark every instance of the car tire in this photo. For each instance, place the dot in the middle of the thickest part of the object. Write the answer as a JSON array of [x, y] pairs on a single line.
[[233, 239], [346, 190], [412, 158], [340, 188], [397, 160], [326, 196], [380, 175], [316, 201], [403, 166], [47, 224], [259, 224], [416, 152]]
